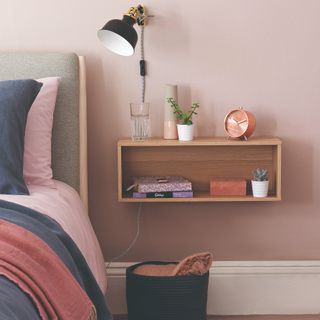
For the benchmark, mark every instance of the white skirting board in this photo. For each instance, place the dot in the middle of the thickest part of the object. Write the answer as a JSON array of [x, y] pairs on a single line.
[[245, 287]]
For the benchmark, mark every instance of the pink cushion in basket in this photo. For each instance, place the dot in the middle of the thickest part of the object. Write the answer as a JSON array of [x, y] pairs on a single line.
[[37, 147], [196, 264]]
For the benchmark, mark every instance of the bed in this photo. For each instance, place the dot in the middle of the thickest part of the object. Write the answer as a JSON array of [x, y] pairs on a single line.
[[53, 218]]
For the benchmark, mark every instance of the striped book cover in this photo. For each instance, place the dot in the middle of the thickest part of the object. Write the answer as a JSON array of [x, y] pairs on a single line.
[[167, 194]]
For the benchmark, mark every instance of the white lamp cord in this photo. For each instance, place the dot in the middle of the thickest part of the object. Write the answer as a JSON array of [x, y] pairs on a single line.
[[133, 241]]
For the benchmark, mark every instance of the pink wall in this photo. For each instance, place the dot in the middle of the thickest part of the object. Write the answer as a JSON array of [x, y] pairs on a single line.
[[262, 54]]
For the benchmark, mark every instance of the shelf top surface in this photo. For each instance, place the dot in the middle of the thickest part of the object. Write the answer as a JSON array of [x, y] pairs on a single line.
[[201, 141]]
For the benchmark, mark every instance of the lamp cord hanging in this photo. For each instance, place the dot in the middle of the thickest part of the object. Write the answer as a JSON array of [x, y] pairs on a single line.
[[142, 64], [132, 243]]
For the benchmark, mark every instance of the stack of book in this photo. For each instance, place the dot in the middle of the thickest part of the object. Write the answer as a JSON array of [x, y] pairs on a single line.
[[162, 187]]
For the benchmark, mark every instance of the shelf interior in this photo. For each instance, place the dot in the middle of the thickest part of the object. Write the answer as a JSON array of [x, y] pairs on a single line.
[[200, 164]]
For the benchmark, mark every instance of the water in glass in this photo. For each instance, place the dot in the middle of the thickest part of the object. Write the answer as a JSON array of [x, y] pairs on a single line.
[[139, 121]]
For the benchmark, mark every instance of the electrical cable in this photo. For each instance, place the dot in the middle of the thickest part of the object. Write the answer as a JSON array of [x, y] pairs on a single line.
[[132, 243], [142, 64]]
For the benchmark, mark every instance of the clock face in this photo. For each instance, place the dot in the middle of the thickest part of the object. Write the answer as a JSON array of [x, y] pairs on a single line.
[[239, 123]]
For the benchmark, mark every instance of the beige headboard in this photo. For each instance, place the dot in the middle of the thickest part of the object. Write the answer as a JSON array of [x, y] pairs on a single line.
[[69, 141]]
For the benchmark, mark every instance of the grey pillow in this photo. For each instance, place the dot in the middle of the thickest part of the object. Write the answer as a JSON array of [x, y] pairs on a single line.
[[16, 98]]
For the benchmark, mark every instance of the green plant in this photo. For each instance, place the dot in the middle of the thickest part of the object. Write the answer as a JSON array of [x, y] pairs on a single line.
[[184, 117], [260, 174]]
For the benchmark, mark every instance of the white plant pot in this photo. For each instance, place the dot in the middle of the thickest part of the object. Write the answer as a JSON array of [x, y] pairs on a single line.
[[185, 132], [260, 188]]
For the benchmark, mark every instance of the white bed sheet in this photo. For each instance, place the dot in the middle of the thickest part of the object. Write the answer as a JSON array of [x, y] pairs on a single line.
[[63, 204]]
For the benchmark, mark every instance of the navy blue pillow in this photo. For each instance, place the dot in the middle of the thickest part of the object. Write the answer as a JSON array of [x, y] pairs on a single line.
[[16, 98]]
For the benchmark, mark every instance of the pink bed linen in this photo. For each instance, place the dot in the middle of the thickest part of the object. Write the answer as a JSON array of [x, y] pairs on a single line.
[[63, 204]]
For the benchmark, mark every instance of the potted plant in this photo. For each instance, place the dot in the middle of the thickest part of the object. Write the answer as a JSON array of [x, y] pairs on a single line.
[[185, 127], [260, 183]]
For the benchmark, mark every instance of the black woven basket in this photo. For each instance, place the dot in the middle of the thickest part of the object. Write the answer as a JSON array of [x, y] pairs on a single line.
[[166, 298]]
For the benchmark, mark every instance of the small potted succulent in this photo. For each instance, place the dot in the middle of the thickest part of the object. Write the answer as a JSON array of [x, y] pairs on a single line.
[[185, 128], [260, 183]]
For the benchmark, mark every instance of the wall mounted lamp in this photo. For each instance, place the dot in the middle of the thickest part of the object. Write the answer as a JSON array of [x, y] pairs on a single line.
[[120, 37]]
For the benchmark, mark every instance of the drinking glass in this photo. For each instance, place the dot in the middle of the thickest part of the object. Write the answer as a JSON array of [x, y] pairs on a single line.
[[140, 123]]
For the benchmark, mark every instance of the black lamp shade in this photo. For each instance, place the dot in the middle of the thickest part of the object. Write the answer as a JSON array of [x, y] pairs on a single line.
[[119, 36]]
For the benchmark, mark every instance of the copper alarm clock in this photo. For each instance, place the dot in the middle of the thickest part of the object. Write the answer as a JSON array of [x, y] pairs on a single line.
[[239, 123]]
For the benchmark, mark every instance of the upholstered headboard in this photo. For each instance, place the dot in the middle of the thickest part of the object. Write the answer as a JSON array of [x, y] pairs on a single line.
[[68, 127]]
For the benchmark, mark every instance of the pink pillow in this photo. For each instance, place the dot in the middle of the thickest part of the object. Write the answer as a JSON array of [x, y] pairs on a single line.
[[37, 146]]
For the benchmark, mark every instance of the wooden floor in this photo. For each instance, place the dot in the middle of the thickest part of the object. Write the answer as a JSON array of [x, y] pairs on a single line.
[[299, 317]]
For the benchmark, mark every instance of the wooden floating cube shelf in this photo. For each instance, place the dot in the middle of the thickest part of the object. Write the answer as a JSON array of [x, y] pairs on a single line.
[[199, 161]]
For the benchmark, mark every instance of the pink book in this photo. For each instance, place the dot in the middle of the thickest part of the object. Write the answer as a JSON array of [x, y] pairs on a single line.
[[161, 184]]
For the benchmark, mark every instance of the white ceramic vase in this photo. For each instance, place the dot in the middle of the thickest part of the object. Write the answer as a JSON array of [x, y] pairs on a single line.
[[185, 132], [260, 188]]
